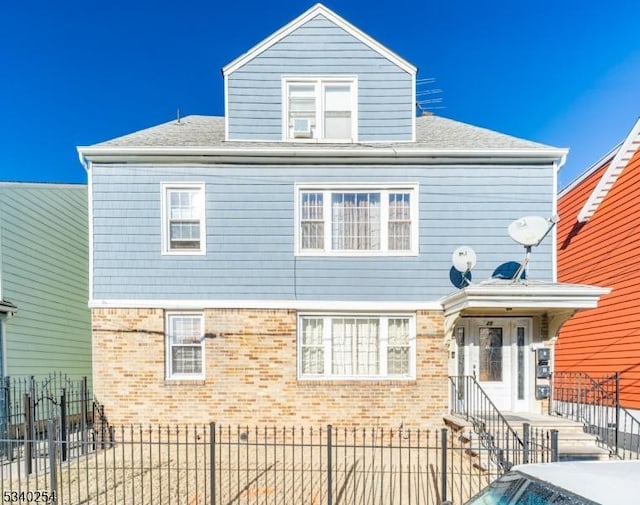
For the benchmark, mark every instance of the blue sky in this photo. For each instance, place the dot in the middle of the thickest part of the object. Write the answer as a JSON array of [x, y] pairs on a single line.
[[563, 72]]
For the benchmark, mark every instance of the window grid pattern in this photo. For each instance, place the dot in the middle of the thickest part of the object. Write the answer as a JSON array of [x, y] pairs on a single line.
[[302, 103], [186, 339], [312, 221], [312, 346], [355, 349], [328, 103], [355, 221], [376, 222], [184, 218], [399, 221], [366, 347], [398, 347]]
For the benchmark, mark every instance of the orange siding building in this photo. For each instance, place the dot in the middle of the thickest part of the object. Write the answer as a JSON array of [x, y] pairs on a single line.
[[599, 244]]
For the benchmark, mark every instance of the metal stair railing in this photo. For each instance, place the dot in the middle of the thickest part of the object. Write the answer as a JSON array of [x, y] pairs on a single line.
[[471, 402], [595, 402]]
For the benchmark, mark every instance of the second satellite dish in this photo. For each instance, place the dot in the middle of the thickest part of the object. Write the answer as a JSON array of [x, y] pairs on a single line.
[[529, 230], [463, 259]]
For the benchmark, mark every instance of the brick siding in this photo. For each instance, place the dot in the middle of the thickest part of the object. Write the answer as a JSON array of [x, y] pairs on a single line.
[[250, 370]]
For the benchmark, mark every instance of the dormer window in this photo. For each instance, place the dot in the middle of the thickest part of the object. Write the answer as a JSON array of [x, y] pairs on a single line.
[[320, 109]]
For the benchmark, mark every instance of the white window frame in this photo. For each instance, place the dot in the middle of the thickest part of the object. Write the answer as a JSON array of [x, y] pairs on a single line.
[[170, 374], [383, 345], [166, 188], [384, 190], [319, 82]]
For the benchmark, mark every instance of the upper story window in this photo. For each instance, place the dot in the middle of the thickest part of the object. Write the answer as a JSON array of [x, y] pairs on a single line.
[[320, 109], [359, 221], [185, 345], [183, 222]]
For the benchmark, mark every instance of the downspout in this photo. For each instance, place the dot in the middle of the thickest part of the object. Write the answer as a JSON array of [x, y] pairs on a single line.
[[557, 165], [87, 166]]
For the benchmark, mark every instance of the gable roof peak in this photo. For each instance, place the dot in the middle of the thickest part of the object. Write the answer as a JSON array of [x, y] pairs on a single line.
[[303, 18], [620, 160]]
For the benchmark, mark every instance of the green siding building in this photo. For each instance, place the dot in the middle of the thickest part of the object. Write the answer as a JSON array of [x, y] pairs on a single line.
[[44, 263]]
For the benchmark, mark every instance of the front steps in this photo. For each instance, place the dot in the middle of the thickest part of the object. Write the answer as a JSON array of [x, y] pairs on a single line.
[[573, 443]]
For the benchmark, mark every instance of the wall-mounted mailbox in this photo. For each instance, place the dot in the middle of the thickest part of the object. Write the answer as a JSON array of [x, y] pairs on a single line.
[[543, 372], [542, 392], [544, 354]]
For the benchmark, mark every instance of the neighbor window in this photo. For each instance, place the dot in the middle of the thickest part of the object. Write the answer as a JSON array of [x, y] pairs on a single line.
[[185, 345], [357, 221], [320, 108], [183, 219], [356, 346]]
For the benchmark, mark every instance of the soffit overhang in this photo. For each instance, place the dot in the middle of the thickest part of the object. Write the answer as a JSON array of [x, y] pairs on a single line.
[[388, 155], [557, 301]]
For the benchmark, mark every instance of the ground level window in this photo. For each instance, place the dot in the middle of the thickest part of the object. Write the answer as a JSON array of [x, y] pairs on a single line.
[[185, 345], [356, 346]]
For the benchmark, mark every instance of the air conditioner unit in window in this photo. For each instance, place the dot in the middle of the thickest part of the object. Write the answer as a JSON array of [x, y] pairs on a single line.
[[302, 128]]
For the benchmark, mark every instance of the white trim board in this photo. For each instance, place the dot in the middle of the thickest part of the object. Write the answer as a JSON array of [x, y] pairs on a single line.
[[618, 163], [306, 16], [308, 305]]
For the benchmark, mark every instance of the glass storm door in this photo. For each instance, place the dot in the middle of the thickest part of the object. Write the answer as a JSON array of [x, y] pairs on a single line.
[[497, 349]]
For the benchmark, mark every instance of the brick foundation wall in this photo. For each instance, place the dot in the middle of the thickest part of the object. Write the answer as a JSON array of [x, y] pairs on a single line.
[[250, 368]]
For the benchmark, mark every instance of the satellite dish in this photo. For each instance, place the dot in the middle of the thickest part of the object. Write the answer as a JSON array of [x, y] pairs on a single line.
[[463, 259], [529, 230]]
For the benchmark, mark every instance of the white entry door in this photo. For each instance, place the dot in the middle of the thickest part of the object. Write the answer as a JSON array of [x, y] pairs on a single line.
[[498, 356]]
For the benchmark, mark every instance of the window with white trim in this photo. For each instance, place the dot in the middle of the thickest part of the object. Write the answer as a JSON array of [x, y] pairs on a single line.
[[357, 221], [320, 108], [185, 345], [183, 227], [356, 346]]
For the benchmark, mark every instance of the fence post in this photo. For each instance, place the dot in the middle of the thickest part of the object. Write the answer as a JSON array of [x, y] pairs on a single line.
[[329, 465], [212, 457], [617, 407], [63, 423], [28, 430], [51, 440], [84, 400], [579, 404], [554, 445], [443, 461], [5, 418], [526, 427]]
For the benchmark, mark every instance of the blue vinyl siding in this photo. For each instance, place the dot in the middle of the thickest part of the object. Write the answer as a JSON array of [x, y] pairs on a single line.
[[385, 91], [250, 232]]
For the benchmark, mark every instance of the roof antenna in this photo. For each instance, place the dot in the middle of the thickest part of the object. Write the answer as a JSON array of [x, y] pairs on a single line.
[[178, 115]]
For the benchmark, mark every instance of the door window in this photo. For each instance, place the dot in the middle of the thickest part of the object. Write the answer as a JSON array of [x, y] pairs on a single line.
[[490, 358]]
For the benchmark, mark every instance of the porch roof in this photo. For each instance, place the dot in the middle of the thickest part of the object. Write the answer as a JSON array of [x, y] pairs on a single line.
[[504, 297]]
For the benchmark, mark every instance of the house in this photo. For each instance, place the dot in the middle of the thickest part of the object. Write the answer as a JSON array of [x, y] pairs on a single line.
[[290, 262], [44, 317], [597, 243]]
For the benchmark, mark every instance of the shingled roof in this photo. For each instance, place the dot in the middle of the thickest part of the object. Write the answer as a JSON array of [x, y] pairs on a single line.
[[432, 132]]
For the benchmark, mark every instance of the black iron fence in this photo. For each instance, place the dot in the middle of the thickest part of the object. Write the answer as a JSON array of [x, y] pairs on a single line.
[[29, 404], [26, 400], [225, 465], [595, 402], [506, 445]]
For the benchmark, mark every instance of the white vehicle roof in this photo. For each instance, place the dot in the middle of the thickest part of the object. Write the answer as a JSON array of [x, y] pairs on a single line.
[[604, 482]]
